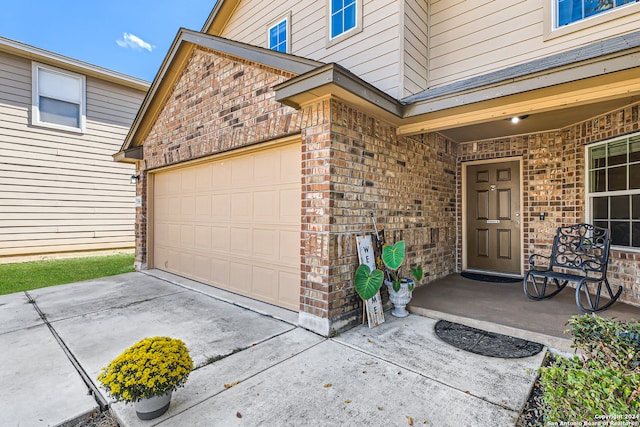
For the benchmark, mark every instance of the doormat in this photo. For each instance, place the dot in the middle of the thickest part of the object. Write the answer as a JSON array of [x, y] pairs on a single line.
[[485, 343], [489, 277]]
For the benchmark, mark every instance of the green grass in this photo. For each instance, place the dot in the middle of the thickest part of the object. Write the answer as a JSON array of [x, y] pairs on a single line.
[[40, 274]]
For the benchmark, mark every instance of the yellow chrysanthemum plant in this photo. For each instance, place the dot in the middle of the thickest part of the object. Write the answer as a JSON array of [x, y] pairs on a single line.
[[151, 367]]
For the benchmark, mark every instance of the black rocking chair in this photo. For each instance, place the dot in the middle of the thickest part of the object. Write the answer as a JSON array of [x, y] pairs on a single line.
[[580, 254]]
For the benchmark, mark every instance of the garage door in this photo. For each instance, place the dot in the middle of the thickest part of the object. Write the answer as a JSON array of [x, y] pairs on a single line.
[[233, 223]]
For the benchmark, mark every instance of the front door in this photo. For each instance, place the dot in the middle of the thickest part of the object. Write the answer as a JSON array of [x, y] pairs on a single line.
[[493, 217]]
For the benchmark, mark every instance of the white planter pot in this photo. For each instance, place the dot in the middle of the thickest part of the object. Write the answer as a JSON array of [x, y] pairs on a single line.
[[152, 407], [401, 298]]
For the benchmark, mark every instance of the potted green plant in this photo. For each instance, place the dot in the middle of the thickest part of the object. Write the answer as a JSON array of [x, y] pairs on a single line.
[[400, 288], [368, 282], [147, 373]]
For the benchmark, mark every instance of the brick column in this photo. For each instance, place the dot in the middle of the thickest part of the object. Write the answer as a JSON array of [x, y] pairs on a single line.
[[315, 218]]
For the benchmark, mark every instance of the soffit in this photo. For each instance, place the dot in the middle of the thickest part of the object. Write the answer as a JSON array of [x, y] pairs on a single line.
[[536, 123], [548, 108]]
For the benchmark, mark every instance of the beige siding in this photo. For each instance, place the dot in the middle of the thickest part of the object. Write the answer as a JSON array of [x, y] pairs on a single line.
[[415, 46], [62, 191], [372, 54], [473, 37], [406, 47]]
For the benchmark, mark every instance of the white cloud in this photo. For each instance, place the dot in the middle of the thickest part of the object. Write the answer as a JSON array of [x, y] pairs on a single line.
[[134, 42]]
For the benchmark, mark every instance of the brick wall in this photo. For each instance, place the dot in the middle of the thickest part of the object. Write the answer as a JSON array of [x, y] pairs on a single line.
[[554, 183], [409, 185], [218, 104], [315, 222], [140, 230]]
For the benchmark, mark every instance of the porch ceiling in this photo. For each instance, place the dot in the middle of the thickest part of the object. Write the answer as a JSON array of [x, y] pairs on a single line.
[[546, 121]]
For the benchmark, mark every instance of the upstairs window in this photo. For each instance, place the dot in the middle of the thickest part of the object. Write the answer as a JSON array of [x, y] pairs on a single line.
[[279, 36], [344, 17], [58, 99], [614, 189], [570, 11]]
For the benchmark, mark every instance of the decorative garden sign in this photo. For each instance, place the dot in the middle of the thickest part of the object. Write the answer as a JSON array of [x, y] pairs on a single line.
[[375, 314]]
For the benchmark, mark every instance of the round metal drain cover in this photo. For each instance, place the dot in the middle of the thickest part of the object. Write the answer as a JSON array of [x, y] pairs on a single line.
[[485, 343]]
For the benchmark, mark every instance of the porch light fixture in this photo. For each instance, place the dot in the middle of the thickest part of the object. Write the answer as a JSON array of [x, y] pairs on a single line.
[[135, 179], [516, 119]]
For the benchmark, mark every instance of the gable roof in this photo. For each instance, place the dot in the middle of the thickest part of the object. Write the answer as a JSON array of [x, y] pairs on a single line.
[[33, 53], [173, 65]]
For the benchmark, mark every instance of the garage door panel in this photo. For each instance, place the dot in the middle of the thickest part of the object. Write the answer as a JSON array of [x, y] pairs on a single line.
[[221, 174], [267, 168], [174, 208], [289, 246], [289, 289], [220, 239], [290, 169], [241, 205], [170, 260], [187, 264], [175, 184], [202, 268], [187, 235], [264, 283], [240, 241], [188, 180], [167, 234], [219, 272], [234, 223], [265, 205], [220, 206], [161, 207], [265, 243], [203, 237], [240, 277], [204, 177], [160, 254], [289, 205], [242, 171], [187, 208], [167, 208], [203, 207], [161, 184]]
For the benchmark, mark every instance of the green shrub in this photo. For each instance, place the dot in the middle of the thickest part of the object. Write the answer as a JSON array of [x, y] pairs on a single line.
[[603, 380]]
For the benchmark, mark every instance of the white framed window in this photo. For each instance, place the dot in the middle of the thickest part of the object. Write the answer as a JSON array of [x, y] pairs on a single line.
[[613, 189], [570, 11], [344, 19], [58, 98], [278, 36]]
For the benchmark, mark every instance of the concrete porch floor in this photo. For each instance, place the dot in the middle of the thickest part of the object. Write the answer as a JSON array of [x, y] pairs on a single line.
[[503, 308]]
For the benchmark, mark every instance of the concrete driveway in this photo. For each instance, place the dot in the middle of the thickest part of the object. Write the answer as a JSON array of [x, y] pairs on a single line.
[[56, 340]]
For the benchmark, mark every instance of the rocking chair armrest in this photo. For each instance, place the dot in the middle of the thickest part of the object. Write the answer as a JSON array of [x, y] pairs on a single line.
[[544, 260]]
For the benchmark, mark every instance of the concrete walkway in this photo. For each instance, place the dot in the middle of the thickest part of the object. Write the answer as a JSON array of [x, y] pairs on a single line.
[[285, 375]]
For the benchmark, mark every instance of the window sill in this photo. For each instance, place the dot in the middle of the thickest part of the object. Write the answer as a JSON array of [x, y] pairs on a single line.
[[53, 126], [626, 249]]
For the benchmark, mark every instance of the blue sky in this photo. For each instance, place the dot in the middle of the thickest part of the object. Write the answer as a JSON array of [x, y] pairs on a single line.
[[128, 36]]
